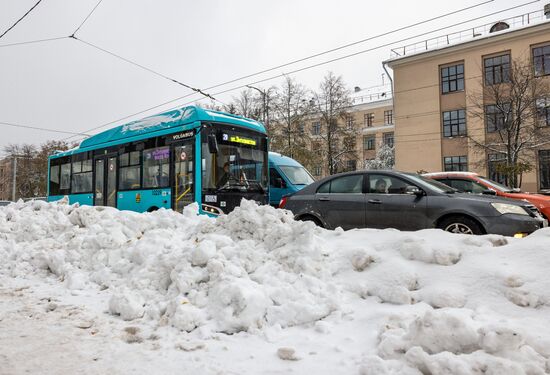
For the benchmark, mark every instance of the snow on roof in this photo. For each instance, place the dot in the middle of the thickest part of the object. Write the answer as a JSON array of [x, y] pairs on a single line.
[[257, 292]]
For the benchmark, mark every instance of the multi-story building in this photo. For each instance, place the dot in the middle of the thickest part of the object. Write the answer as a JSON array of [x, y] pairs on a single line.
[[434, 92], [370, 120]]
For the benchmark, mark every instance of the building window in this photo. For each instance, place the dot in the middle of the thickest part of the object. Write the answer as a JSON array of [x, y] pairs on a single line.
[[543, 111], [497, 69], [452, 78], [300, 128], [495, 117], [368, 118], [388, 117], [351, 165], [493, 170], [369, 142], [544, 169], [455, 163], [541, 60], [316, 128], [454, 123], [350, 143], [317, 170], [350, 122], [388, 139]]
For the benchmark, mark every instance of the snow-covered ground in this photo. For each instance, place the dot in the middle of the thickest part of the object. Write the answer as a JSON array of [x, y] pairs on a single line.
[[94, 290]]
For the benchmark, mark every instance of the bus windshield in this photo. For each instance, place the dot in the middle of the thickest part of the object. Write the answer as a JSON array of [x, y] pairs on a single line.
[[239, 164]]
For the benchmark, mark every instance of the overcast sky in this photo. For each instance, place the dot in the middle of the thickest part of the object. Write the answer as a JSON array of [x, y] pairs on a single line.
[[70, 86]]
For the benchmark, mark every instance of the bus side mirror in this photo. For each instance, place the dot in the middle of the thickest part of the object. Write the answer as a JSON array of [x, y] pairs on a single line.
[[212, 144]]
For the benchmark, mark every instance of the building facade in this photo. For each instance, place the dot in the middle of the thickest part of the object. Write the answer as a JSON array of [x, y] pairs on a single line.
[[6, 179], [437, 90], [370, 124]]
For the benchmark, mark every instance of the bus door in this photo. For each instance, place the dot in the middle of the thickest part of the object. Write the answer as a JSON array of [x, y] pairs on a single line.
[[183, 185], [105, 181]]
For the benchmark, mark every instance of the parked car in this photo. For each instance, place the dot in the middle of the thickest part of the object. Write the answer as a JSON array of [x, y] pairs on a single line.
[[469, 182], [406, 201], [286, 176], [4, 203]]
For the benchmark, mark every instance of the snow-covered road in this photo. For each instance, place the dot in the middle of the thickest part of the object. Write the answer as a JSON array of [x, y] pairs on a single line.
[[95, 290]]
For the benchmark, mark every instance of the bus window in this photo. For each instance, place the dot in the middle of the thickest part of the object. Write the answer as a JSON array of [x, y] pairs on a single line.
[[54, 180], [82, 176], [65, 179], [156, 167], [130, 171]]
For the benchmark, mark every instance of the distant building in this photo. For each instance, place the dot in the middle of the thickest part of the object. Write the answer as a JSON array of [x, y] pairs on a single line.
[[433, 81], [371, 114], [6, 179]]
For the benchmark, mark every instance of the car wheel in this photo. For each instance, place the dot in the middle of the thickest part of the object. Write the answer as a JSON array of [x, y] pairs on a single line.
[[311, 218], [460, 224]]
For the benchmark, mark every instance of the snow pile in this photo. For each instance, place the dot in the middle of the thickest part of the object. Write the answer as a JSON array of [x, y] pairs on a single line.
[[440, 303], [253, 268]]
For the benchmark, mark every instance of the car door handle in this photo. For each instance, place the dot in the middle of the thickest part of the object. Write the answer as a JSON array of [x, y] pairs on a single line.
[[375, 201], [324, 199]]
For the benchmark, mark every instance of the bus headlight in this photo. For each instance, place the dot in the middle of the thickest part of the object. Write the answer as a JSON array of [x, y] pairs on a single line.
[[505, 208]]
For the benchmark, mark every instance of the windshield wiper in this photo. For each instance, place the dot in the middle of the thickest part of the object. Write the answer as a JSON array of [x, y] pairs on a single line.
[[230, 186]]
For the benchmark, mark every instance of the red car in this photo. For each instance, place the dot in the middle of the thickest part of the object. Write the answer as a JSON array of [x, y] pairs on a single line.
[[469, 182]]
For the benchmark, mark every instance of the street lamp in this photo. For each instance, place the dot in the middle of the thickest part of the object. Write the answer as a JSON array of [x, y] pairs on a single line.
[[265, 107]]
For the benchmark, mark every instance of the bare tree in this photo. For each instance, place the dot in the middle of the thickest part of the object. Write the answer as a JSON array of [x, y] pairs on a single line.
[[385, 158], [332, 104], [32, 166], [509, 105], [291, 107], [247, 105]]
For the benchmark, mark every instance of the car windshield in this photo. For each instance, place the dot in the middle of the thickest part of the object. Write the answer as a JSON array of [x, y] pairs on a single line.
[[297, 175], [433, 184], [495, 185]]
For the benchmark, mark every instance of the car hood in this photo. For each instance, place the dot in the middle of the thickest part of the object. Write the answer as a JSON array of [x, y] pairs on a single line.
[[487, 198], [535, 198]]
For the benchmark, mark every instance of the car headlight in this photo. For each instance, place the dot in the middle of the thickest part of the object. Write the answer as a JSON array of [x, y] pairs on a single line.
[[505, 208]]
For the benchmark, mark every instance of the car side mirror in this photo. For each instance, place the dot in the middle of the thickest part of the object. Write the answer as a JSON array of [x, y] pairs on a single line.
[[489, 192], [212, 144], [413, 190], [516, 190]]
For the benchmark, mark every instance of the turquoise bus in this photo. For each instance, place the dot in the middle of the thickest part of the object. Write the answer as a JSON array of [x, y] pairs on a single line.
[[167, 161]]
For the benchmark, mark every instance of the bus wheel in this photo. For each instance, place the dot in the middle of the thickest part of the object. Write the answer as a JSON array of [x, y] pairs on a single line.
[[151, 209]]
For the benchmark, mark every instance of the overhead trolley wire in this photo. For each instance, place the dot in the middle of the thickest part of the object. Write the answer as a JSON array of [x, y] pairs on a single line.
[[318, 64], [86, 19], [20, 19], [42, 129], [145, 68]]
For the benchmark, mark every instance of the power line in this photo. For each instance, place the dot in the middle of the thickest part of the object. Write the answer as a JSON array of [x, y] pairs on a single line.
[[20, 19], [310, 66], [86, 19], [39, 128], [349, 45], [199, 91], [360, 52], [33, 41]]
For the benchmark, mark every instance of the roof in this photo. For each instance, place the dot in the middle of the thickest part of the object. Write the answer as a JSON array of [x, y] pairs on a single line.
[[278, 159], [433, 174], [472, 42], [160, 124]]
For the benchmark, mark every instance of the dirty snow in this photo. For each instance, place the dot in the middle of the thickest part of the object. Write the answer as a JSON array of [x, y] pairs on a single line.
[[96, 290]]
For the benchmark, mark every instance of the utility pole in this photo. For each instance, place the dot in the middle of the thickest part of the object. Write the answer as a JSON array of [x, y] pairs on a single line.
[[14, 178]]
